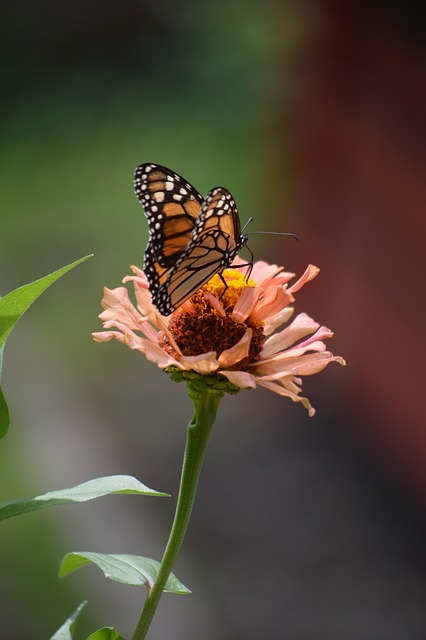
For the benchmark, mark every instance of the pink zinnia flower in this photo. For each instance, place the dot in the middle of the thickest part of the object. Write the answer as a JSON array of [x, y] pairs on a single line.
[[226, 333]]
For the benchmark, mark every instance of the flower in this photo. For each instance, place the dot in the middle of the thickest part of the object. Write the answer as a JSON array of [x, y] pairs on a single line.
[[229, 332]]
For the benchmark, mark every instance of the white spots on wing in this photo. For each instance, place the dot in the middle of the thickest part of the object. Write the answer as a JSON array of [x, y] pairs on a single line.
[[158, 196]]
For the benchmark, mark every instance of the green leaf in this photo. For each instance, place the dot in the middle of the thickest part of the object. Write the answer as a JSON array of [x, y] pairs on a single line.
[[4, 411], [12, 307], [66, 632], [128, 569], [90, 490], [106, 633], [14, 304], [4, 416]]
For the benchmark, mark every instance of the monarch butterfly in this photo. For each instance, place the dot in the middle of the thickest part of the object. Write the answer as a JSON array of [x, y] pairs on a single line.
[[191, 238]]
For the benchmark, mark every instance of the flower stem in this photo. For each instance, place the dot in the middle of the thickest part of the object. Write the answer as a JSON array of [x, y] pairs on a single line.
[[206, 403]]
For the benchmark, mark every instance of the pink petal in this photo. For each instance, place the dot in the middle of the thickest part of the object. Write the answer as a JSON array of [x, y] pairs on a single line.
[[116, 304], [245, 303], [281, 358], [263, 271], [203, 364], [119, 310], [274, 299], [305, 364], [274, 321], [310, 368], [143, 298], [300, 327], [323, 333], [214, 303], [241, 379], [106, 336], [282, 391], [153, 352], [231, 356], [311, 272], [170, 339], [140, 274]]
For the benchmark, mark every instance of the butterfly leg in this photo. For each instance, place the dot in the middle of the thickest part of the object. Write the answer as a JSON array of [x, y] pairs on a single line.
[[248, 264], [225, 283]]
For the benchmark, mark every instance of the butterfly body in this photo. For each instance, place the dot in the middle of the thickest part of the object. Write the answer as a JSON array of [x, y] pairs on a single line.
[[191, 238]]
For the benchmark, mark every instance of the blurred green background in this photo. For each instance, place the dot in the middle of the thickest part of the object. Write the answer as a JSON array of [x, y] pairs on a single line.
[[328, 541]]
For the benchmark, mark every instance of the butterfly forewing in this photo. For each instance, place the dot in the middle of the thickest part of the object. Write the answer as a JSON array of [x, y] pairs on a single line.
[[171, 206], [214, 244]]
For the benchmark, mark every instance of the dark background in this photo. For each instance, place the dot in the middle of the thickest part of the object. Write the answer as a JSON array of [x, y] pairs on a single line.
[[313, 115]]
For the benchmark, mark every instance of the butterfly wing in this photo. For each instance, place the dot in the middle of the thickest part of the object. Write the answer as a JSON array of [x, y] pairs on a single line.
[[172, 207], [214, 243]]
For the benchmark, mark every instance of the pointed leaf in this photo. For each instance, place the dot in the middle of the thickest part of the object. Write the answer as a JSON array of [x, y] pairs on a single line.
[[121, 567], [106, 633], [66, 632], [14, 304], [12, 307], [90, 490]]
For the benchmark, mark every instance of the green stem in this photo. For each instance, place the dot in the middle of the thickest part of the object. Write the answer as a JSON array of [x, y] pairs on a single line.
[[206, 404]]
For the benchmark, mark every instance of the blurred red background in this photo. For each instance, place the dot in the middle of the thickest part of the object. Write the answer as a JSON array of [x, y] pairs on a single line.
[[359, 174]]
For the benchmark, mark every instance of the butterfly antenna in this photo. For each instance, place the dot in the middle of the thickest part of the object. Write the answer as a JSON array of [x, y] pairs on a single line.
[[268, 233], [272, 233], [247, 224]]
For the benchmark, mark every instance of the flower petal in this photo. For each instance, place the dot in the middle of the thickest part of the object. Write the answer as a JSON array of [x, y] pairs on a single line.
[[262, 271], [265, 274], [231, 356], [106, 336], [311, 272], [214, 303], [301, 364], [283, 391], [276, 320], [301, 326], [203, 364], [246, 303], [242, 379], [117, 305], [274, 299]]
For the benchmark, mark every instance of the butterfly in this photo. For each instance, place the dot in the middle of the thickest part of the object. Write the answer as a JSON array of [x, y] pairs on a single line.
[[191, 238]]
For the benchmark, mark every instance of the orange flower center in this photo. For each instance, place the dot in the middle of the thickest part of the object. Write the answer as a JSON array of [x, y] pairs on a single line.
[[235, 281], [198, 327]]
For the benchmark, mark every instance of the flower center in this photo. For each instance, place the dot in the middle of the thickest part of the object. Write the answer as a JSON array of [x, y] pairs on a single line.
[[198, 327], [236, 282]]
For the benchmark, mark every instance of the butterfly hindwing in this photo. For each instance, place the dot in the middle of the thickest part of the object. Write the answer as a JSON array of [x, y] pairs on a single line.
[[215, 241]]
